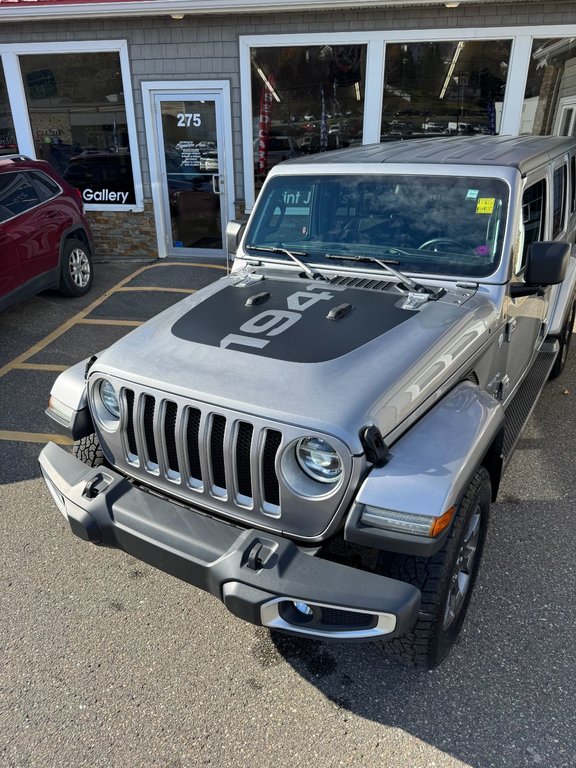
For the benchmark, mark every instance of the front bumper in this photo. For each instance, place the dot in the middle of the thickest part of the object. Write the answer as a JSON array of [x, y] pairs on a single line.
[[261, 578]]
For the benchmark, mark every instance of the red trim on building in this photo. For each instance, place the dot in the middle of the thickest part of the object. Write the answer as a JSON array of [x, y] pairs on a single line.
[[25, 3]]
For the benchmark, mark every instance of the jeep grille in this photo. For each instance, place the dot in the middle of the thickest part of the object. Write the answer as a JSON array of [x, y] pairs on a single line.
[[223, 461], [211, 453]]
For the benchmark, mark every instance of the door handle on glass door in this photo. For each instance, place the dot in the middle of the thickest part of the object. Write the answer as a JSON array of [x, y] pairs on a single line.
[[217, 184]]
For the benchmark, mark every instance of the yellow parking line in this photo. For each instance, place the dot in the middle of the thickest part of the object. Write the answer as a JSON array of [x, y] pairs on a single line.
[[80, 316], [137, 289], [34, 437], [96, 321], [65, 326], [40, 367]]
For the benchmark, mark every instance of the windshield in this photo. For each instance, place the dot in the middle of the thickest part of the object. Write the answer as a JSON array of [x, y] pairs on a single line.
[[444, 225]]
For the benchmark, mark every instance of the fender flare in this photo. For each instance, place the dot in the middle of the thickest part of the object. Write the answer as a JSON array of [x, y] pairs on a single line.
[[68, 405], [430, 468]]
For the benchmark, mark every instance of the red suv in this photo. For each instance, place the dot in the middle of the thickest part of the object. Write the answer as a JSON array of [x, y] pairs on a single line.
[[45, 239]]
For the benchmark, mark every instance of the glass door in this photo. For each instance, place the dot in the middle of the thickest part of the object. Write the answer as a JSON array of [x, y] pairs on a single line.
[[192, 171]]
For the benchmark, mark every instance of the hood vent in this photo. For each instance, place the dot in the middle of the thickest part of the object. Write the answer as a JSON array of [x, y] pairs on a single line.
[[362, 282]]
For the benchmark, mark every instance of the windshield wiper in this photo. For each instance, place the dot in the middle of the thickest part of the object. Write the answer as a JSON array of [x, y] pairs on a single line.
[[291, 254], [406, 282]]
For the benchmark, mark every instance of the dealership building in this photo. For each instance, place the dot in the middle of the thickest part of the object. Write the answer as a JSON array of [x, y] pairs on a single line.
[[168, 114]]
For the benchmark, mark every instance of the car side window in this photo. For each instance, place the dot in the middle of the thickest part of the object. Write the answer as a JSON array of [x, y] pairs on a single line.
[[559, 201], [533, 219], [17, 195], [572, 184], [44, 185]]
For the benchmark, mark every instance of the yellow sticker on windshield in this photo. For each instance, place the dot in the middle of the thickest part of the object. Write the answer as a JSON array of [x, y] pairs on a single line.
[[485, 204]]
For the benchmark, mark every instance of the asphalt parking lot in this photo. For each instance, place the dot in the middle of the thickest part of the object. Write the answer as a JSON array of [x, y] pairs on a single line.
[[107, 662]]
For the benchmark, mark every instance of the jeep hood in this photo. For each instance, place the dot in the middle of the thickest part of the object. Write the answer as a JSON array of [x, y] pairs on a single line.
[[332, 358]]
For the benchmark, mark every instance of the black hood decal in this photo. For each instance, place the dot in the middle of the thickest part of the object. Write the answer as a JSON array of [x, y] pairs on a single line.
[[289, 320]]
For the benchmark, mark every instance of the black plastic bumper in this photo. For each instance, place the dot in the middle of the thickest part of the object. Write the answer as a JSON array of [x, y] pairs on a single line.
[[257, 575]]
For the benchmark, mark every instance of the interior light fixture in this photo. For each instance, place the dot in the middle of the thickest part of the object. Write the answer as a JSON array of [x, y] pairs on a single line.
[[451, 5], [451, 68], [177, 16], [267, 82]]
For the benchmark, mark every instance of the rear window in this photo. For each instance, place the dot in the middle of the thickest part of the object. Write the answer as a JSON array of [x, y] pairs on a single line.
[[45, 186], [17, 195]]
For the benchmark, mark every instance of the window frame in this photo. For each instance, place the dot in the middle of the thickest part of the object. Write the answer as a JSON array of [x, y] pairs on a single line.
[[559, 167], [540, 177], [17, 97], [522, 38]]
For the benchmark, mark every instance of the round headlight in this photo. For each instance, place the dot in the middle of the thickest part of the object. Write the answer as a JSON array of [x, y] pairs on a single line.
[[319, 459], [109, 398]]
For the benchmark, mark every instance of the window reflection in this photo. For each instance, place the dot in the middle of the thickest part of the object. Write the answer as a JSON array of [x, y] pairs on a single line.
[[550, 97], [305, 99], [8, 143], [444, 88], [78, 119]]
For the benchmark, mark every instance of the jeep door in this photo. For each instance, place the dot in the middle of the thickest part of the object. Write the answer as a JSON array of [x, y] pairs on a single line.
[[526, 314]]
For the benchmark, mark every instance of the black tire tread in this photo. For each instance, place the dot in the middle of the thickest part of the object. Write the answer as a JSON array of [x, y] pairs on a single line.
[[422, 646], [88, 450]]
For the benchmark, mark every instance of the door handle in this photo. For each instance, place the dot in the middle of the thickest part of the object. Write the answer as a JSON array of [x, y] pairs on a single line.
[[217, 184]]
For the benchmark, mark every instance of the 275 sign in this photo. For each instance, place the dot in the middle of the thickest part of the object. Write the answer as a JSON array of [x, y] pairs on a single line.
[[186, 119]]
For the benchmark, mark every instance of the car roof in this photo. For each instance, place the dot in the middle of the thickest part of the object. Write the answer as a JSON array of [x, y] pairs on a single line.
[[9, 161], [522, 152]]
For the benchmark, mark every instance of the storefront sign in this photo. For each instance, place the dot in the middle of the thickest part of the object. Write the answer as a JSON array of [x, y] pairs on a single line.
[[104, 196]]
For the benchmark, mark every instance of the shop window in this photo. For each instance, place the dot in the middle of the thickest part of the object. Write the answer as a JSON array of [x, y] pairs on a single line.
[[305, 99], [550, 95], [444, 88], [8, 143], [79, 123]]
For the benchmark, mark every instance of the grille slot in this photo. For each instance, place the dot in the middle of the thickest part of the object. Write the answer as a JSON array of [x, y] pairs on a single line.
[[269, 478], [170, 437], [192, 444], [217, 451], [243, 447], [148, 424], [130, 435]]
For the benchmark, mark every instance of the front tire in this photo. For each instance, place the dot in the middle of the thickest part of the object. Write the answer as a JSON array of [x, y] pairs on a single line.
[[88, 450], [76, 272], [446, 580]]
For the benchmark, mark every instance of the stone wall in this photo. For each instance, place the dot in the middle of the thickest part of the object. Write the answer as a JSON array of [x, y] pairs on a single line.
[[119, 234]]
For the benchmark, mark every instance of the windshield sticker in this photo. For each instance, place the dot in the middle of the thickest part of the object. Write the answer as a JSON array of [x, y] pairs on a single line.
[[485, 205], [472, 194]]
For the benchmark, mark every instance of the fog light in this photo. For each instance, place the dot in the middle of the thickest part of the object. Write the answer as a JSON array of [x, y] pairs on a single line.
[[302, 608]]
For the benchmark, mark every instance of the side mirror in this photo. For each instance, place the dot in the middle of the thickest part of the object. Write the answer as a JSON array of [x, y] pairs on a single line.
[[547, 263], [234, 232]]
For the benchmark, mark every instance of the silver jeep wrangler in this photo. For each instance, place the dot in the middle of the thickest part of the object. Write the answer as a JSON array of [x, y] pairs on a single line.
[[316, 438]]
